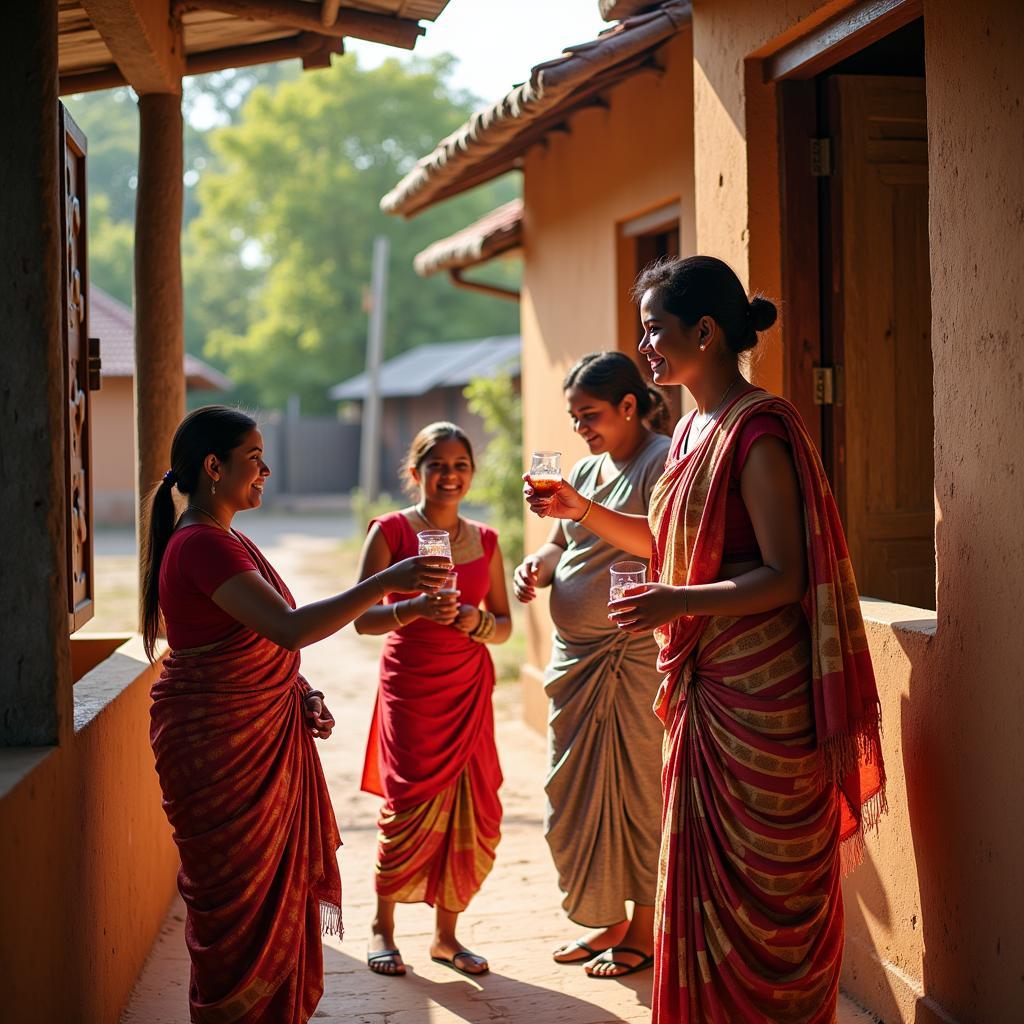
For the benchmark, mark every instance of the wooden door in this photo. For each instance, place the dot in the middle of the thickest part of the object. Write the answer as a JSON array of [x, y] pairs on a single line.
[[881, 320], [81, 365]]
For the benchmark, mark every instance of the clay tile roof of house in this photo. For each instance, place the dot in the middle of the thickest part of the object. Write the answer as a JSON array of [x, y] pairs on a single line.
[[494, 140], [495, 234], [615, 10], [112, 322], [440, 365]]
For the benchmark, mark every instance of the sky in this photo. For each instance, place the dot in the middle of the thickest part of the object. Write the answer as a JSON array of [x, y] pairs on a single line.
[[496, 41]]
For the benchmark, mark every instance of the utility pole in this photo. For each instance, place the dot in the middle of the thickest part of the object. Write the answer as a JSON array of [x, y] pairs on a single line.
[[369, 456]]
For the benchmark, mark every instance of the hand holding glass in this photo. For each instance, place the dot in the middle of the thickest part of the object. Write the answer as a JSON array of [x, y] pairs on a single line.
[[625, 575]]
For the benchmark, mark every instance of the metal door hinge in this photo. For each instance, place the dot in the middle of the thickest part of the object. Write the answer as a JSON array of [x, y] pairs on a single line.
[[824, 385], [821, 157], [94, 364]]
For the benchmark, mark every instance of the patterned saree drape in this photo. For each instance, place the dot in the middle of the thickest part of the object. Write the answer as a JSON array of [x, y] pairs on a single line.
[[245, 794], [772, 765]]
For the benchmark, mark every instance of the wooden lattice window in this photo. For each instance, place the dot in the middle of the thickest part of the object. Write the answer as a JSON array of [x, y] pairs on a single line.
[[81, 374]]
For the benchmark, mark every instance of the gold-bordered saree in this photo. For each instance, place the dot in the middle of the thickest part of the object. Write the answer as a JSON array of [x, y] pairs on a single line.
[[773, 765]]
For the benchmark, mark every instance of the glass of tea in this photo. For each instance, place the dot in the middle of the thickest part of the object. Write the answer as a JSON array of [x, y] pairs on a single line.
[[451, 584], [545, 472], [436, 543], [624, 576]]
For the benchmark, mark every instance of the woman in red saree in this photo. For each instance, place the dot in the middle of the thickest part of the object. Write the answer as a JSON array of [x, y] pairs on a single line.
[[232, 729], [431, 753], [772, 761]]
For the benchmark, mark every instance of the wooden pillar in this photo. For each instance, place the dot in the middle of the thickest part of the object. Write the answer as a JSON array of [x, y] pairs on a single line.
[[159, 313], [35, 663]]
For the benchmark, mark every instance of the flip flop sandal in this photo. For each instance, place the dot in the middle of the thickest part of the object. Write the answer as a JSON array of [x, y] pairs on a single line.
[[645, 963], [589, 953], [385, 954], [445, 962]]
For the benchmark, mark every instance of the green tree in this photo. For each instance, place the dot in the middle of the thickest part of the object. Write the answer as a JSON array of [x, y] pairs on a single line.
[[498, 482], [279, 257]]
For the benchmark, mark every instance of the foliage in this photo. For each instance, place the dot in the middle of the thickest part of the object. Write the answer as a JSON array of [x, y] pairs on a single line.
[[279, 257], [365, 508], [498, 483]]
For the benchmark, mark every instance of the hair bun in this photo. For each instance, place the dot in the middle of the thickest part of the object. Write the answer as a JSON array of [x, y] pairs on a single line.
[[762, 313]]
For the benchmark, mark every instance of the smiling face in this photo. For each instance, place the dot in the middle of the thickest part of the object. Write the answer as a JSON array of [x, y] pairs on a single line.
[[445, 473], [603, 426], [671, 348], [241, 475]]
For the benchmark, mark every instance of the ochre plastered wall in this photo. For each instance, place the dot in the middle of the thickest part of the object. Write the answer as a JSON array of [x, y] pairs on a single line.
[[113, 450], [87, 865], [934, 914], [614, 164]]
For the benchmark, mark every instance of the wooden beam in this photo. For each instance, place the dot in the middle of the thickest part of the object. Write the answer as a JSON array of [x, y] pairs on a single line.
[[145, 43], [305, 46], [377, 28], [840, 37], [455, 276], [329, 11]]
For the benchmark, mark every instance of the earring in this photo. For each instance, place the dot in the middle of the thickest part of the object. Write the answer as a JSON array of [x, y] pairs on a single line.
[[213, 489], [628, 418]]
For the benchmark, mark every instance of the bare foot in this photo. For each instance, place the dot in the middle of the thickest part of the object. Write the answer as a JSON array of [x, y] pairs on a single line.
[[598, 939], [452, 953], [382, 956]]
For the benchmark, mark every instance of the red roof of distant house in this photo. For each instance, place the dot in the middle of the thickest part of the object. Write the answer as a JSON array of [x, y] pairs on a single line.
[[113, 323]]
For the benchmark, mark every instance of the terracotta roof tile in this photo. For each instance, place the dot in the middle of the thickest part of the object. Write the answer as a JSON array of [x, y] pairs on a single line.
[[493, 140], [494, 234]]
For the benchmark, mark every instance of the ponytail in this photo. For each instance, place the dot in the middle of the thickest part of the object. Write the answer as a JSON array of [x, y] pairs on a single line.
[[157, 526], [213, 429], [657, 416]]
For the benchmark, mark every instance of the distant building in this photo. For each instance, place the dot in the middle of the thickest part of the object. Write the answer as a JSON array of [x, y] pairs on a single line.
[[113, 430], [426, 384]]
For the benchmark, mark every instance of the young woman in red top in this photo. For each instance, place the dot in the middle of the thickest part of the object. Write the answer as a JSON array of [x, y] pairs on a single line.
[[431, 754], [772, 758], [232, 729]]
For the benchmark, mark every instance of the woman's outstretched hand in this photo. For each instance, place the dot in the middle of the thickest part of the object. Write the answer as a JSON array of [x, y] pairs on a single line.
[[421, 572], [565, 503], [524, 579], [644, 608], [318, 718]]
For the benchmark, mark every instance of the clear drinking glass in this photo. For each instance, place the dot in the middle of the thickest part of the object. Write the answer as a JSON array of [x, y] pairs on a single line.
[[545, 472], [624, 576], [451, 584], [436, 543]]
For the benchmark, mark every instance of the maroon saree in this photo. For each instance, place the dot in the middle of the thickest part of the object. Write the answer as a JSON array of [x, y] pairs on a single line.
[[245, 794], [773, 765]]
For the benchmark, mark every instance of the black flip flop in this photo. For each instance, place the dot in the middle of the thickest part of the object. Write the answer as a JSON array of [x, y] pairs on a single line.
[[589, 952], [445, 962], [645, 963], [385, 954]]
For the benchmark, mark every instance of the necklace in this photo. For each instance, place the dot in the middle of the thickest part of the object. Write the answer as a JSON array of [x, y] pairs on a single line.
[[199, 508], [710, 417], [458, 524]]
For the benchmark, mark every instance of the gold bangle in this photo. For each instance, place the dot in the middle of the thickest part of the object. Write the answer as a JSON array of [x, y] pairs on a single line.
[[394, 614], [579, 522]]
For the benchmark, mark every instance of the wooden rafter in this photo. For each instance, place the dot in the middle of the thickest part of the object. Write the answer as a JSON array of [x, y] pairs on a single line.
[[145, 44], [377, 28], [313, 49]]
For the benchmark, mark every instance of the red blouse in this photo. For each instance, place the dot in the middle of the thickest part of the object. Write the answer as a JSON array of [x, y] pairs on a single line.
[[740, 540], [198, 559]]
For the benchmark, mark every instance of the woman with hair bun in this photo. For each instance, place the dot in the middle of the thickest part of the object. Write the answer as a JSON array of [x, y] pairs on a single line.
[[431, 753], [233, 723], [773, 766], [603, 815]]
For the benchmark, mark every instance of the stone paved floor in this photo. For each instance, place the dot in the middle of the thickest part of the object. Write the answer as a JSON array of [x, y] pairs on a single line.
[[516, 920]]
